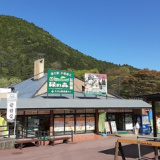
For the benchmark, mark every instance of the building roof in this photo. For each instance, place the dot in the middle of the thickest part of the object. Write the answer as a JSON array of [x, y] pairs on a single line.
[[27, 99], [149, 97], [36, 103], [29, 87]]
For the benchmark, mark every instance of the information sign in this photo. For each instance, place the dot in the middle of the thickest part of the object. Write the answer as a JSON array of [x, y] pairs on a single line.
[[113, 126], [60, 82]]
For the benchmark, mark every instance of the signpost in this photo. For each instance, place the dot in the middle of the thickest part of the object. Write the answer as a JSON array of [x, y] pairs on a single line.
[[60, 82]]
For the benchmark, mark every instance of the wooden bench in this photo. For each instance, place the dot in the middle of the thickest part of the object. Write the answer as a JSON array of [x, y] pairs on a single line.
[[20, 142], [53, 139]]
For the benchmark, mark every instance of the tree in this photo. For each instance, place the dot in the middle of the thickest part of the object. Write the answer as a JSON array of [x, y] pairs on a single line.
[[141, 82], [80, 73], [56, 65], [115, 77], [4, 82]]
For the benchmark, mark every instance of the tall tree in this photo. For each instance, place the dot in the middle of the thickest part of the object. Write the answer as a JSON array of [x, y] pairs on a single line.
[[141, 82], [115, 77]]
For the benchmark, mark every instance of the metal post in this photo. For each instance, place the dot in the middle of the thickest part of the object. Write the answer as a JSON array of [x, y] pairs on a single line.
[[43, 137], [154, 128], [139, 150], [72, 135]]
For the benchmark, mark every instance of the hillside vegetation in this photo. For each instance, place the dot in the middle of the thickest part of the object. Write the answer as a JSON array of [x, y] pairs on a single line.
[[21, 43]]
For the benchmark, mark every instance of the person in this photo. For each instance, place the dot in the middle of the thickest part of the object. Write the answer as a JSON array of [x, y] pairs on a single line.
[[102, 81], [137, 127], [19, 130]]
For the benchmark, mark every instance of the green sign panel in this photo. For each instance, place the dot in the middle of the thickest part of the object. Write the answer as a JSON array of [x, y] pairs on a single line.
[[60, 82], [102, 117]]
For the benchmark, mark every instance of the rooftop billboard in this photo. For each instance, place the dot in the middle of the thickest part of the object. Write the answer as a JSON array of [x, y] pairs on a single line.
[[95, 84], [60, 82]]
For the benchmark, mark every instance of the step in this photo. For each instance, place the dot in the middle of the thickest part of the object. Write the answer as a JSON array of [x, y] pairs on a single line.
[[6, 143]]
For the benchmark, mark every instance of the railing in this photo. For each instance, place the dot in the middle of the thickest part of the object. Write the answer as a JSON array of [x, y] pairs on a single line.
[[44, 136], [27, 132], [151, 138]]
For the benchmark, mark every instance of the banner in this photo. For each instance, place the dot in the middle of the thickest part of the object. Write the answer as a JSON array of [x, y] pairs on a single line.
[[95, 84], [102, 118], [11, 106], [60, 82]]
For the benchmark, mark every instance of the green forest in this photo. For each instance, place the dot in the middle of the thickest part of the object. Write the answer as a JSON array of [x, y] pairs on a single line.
[[21, 43]]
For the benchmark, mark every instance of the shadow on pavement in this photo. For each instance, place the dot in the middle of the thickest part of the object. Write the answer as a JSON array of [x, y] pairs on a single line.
[[131, 151]]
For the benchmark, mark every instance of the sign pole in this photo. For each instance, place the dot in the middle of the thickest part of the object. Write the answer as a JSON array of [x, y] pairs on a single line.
[[15, 127]]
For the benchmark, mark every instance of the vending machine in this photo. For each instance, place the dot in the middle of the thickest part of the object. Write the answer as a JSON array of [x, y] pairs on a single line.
[[144, 123]]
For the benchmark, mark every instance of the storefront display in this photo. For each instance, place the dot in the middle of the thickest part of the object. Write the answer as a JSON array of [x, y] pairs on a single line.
[[80, 123], [90, 122], [69, 123], [59, 123]]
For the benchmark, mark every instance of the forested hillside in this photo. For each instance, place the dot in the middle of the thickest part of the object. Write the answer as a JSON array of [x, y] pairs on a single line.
[[21, 43]]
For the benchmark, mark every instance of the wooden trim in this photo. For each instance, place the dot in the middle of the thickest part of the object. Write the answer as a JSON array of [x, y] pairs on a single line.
[[51, 123], [146, 143]]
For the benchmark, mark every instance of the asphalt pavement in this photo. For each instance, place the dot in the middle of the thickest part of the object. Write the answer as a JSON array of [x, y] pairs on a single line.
[[102, 149]]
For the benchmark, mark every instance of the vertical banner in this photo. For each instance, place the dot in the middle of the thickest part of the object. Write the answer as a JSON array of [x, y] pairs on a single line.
[[102, 118], [11, 106]]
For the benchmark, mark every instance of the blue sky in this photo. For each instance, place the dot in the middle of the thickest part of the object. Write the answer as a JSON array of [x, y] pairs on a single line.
[[117, 31]]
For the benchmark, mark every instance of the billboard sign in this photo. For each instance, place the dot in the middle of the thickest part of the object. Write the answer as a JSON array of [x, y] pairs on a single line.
[[60, 82], [95, 84], [11, 106]]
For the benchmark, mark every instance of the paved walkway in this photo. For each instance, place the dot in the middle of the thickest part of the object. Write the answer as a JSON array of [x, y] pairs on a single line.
[[99, 149]]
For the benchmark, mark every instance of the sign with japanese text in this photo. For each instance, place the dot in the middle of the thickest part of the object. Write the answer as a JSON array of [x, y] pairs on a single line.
[[11, 106], [95, 84], [60, 82]]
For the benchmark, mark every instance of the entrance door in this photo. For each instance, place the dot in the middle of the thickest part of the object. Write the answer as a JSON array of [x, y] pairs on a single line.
[[119, 118]]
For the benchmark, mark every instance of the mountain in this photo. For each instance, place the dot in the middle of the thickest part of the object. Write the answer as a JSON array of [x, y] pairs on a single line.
[[21, 43]]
